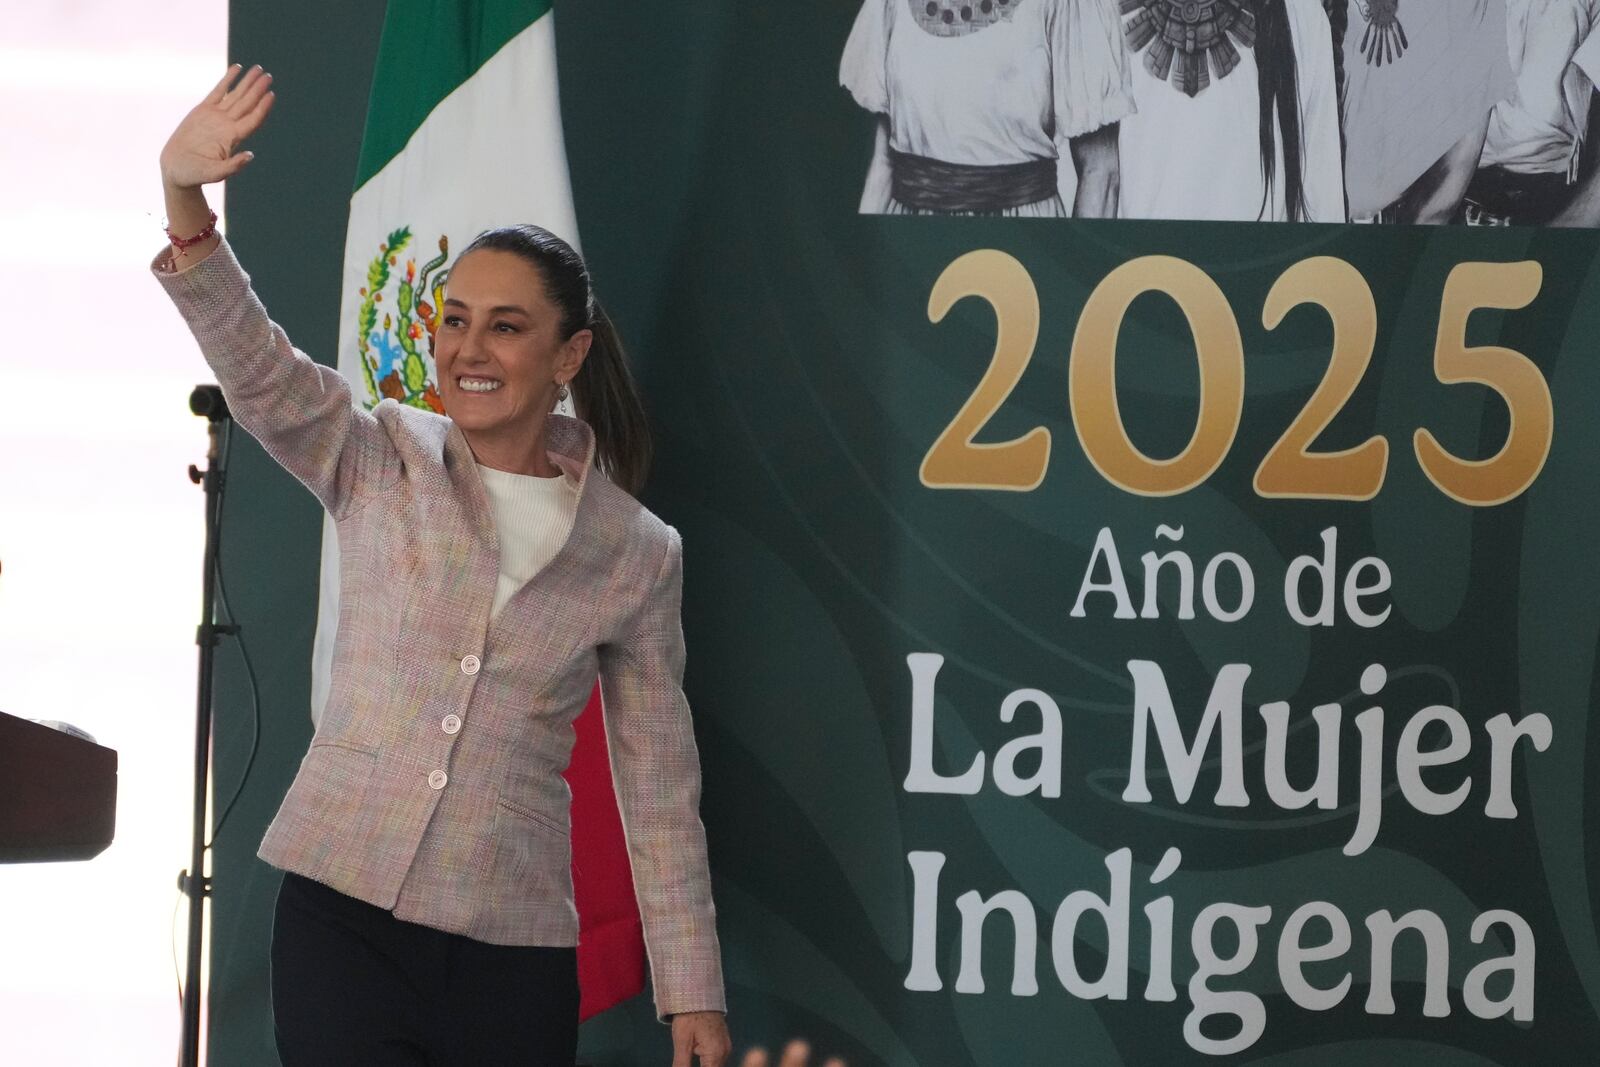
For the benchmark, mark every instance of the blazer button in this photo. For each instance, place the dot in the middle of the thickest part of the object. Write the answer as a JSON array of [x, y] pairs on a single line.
[[451, 724], [470, 664], [437, 779]]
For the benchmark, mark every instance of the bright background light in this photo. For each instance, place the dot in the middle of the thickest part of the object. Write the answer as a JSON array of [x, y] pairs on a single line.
[[100, 528]]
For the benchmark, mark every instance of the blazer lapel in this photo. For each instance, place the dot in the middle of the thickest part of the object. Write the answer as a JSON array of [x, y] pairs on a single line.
[[583, 559], [483, 563], [571, 446]]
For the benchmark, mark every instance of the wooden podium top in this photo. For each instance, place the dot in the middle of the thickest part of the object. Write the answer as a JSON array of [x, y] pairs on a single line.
[[58, 794]]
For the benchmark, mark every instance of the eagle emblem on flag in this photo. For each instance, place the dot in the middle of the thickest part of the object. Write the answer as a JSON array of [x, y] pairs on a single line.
[[393, 363]]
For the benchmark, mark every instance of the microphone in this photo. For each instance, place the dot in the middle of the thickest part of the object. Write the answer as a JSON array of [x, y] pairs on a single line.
[[207, 402]]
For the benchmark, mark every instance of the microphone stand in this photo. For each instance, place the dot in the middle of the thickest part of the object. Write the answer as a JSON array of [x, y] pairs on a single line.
[[206, 401]]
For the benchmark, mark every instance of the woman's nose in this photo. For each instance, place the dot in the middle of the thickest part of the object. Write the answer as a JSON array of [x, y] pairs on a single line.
[[472, 349]]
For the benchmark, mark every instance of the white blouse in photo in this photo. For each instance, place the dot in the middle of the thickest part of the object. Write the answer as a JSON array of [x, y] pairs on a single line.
[[1007, 92]]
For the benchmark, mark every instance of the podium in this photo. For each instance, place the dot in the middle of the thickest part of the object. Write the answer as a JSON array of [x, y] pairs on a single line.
[[58, 794]]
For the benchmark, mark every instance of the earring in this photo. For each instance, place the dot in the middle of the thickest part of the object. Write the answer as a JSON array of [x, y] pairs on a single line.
[[563, 392]]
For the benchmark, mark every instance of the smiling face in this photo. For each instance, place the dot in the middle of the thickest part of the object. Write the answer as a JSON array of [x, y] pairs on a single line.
[[500, 353]]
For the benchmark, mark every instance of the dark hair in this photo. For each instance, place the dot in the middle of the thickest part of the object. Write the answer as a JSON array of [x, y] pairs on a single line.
[[1338, 12], [603, 393], [1280, 106]]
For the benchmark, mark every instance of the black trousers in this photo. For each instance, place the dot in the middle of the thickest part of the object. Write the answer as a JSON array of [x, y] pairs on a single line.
[[351, 984]]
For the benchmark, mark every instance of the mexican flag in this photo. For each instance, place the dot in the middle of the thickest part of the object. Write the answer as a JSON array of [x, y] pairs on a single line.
[[463, 134]]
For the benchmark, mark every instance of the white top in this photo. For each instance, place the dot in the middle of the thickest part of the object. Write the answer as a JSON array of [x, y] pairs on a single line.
[[1553, 54], [1402, 115], [1042, 71], [1199, 157], [532, 517]]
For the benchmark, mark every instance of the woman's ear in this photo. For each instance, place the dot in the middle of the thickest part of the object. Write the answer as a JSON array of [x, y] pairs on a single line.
[[573, 353]]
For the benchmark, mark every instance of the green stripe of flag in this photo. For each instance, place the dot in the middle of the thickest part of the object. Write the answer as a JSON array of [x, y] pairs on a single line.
[[428, 48]]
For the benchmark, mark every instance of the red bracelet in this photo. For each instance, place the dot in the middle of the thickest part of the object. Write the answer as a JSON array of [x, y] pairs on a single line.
[[183, 244]]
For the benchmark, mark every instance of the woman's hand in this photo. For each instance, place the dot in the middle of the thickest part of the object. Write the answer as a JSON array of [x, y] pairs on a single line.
[[703, 1034], [203, 147]]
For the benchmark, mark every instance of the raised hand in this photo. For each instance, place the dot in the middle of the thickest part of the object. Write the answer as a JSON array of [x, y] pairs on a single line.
[[203, 148]]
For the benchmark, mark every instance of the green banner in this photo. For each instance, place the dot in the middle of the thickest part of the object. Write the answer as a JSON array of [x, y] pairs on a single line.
[[1111, 641]]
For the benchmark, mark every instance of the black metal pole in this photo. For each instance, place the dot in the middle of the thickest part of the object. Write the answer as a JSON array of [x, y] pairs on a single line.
[[207, 401]]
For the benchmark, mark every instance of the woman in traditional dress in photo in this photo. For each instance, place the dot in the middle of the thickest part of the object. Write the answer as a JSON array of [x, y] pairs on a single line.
[[1420, 78], [1237, 112], [975, 97], [1537, 168]]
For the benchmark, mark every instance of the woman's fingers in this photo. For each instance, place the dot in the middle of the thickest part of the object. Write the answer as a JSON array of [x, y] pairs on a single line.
[[220, 90], [242, 97], [235, 164], [237, 90], [756, 1057], [261, 89], [241, 85], [257, 115]]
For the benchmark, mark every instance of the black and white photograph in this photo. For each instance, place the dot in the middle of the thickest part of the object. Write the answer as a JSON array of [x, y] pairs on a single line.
[[1473, 112]]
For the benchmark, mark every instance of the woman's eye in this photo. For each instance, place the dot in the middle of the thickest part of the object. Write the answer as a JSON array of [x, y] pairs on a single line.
[[452, 320], [505, 327]]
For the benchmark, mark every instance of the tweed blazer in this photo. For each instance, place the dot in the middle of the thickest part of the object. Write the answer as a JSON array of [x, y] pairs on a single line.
[[433, 784]]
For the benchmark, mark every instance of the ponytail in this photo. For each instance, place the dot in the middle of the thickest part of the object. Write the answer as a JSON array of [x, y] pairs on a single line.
[[606, 397], [603, 393]]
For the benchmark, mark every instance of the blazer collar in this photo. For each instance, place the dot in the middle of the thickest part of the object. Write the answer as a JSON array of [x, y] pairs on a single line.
[[569, 442]]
